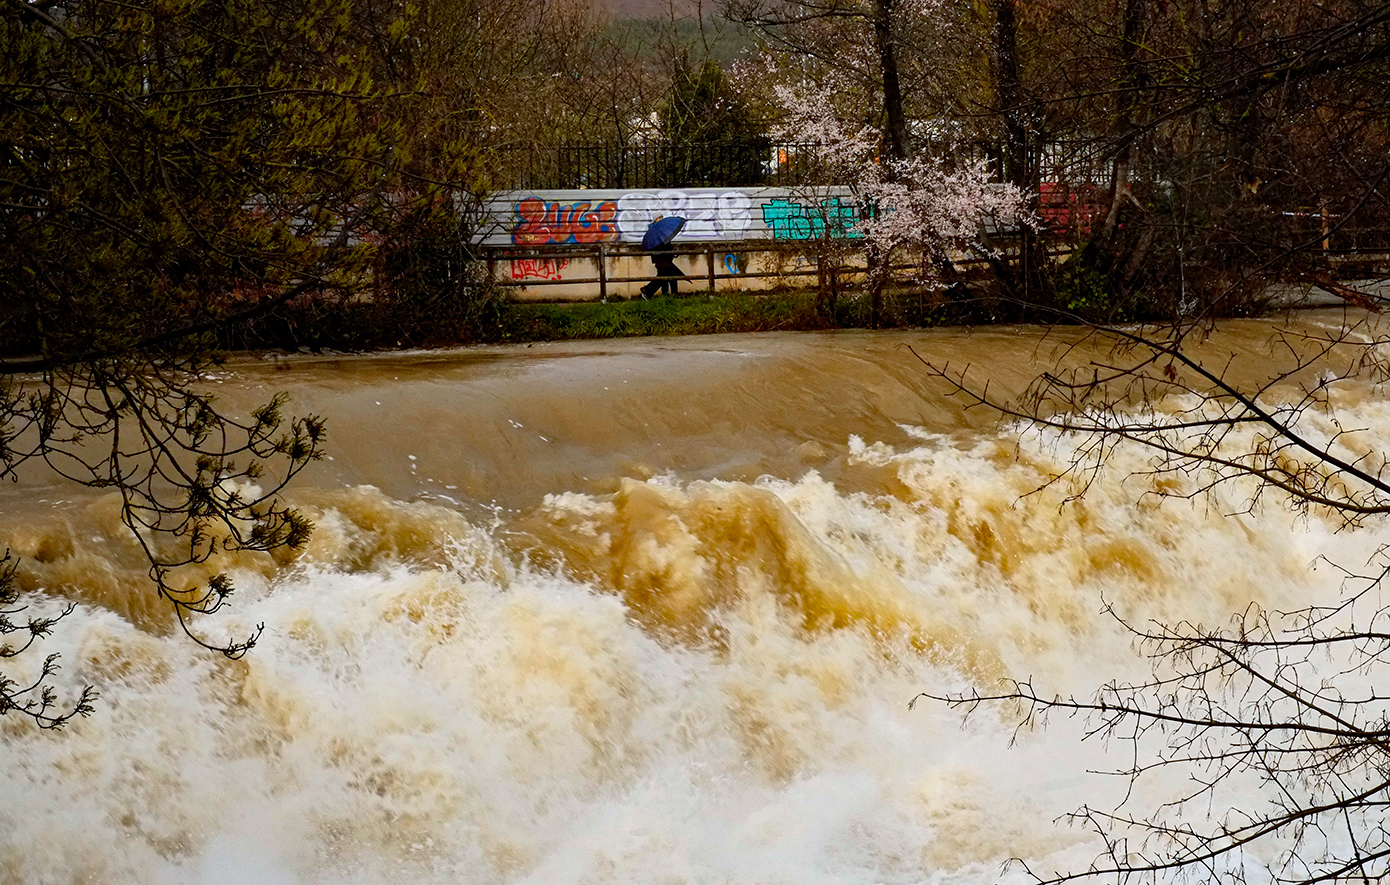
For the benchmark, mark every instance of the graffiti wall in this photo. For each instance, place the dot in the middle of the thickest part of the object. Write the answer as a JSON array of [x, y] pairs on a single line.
[[586, 217]]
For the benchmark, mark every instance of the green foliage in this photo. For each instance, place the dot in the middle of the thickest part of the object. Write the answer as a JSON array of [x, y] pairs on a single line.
[[428, 284], [704, 314], [170, 170], [1085, 292], [710, 135], [720, 39], [426, 288], [690, 315], [169, 162]]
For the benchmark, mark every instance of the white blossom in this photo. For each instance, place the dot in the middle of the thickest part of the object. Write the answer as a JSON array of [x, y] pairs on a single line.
[[925, 202]]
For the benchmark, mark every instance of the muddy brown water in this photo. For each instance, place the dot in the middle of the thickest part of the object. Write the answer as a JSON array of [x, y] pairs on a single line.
[[644, 610]]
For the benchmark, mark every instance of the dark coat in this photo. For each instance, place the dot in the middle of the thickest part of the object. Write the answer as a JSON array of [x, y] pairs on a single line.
[[665, 261]]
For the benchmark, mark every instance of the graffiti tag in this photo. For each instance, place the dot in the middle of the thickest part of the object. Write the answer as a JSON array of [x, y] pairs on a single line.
[[544, 223], [708, 216], [791, 220], [538, 268]]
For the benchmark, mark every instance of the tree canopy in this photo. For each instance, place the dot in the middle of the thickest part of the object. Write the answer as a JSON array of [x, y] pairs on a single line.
[[163, 165], [169, 168], [1178, 156]]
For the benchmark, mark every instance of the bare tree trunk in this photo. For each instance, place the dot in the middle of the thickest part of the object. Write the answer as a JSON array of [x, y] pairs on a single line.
[[1131, 83], [1027, 281], [895, 119], [895, 140]]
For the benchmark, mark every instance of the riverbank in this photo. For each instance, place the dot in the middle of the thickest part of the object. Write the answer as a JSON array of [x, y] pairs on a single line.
[[703, 314], [799, 310], [487, 317]]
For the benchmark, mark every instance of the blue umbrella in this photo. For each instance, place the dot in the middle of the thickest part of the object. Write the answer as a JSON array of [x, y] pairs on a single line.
[[662, 231]]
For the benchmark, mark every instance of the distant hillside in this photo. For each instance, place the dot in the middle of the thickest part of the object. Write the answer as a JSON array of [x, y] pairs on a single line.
[[656, 8], [719, 39]]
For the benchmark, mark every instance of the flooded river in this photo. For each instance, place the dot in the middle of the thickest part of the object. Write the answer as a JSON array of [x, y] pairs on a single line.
[[641, 611]]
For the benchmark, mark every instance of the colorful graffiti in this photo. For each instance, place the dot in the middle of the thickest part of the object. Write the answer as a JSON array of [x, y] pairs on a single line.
[[792, 220], [708, 216], [588, 217], [538, 268], [544, 223]]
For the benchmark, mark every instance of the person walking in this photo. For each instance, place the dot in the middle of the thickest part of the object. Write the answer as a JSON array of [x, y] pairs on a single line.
[[668, 276], [657, 240]]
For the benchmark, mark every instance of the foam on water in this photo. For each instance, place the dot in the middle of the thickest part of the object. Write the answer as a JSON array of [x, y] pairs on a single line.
[[684, 681]]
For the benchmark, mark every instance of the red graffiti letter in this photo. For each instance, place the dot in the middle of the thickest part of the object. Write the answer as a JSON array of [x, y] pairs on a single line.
[[597, 226], [531, 230]]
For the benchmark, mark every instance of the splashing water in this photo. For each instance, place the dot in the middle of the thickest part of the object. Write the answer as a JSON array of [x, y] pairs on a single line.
[[690, 666]]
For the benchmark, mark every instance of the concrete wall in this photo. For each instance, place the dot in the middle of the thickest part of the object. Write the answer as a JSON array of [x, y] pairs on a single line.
[[551, 244]]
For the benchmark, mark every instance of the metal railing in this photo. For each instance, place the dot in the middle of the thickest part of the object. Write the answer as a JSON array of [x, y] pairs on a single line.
[[716, 265], [718, 262]]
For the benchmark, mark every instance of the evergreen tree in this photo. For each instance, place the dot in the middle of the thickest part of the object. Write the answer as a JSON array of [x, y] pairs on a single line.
[[169, 168], [710, 135]]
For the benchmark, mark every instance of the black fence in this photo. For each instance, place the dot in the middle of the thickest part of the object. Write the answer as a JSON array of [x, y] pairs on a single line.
[[1075, 176], [755, 163], [759, 163]]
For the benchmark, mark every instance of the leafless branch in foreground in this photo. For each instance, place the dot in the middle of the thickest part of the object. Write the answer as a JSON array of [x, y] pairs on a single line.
[[193, 482], [1281, 705]]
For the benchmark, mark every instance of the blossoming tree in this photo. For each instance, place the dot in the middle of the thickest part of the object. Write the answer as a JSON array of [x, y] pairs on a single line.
[[930, 206]]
